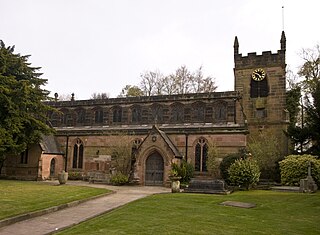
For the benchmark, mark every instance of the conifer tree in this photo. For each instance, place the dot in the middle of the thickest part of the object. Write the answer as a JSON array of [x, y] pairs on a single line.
[[23, 115]]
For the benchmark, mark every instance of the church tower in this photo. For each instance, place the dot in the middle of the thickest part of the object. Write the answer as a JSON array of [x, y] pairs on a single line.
[[261, 83]]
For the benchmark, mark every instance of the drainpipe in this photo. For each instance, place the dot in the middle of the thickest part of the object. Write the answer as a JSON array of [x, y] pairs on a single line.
[[187, 135], [66, 165]]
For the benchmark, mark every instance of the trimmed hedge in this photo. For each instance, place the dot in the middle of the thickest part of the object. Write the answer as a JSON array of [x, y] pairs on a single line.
[[295, 167]]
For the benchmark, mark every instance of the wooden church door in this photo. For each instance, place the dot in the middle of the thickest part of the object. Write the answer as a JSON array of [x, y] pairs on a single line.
[[154, 169]]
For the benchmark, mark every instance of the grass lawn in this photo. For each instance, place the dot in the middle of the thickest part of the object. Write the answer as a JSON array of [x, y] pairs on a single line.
[[19, 197], [276, 213]]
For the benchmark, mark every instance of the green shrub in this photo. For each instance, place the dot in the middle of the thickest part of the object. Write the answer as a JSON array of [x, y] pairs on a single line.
[[295, 167], [119, 179], [184, 170], [226, 163], [267, 152], [244, 173], [75, 175]]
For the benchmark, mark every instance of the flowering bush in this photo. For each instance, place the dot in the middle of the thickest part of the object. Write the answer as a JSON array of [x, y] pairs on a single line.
[[244, 173]]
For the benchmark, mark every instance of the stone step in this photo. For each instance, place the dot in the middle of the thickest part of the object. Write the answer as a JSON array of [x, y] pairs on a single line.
[[202, 175]]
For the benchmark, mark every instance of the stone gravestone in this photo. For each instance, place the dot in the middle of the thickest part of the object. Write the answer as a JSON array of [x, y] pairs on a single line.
[[308, 184]]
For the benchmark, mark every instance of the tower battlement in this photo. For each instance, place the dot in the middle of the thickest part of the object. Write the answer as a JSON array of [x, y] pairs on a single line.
[[261, 80], [266, 59]]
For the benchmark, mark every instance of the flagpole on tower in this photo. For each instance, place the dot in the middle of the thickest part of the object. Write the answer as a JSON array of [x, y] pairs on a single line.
[[282, 18]]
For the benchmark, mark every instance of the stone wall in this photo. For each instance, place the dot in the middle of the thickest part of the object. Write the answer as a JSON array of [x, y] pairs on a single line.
[[269, 112], [98, 148], [45, 164]]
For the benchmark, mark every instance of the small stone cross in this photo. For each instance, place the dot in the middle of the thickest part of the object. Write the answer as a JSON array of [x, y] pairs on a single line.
[[309, 169]]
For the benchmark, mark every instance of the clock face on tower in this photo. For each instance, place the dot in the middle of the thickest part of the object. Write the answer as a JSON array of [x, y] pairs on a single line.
[[258, 74]]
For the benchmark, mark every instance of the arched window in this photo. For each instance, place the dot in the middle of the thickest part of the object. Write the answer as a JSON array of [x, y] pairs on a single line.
[[198, 111], [81, 116], [136, 114], [220, 112], [117, 114], [77, 161], [67, 117], [177, 113], [201, 153], [157, 113], [55, 118], [98, 115], [52, 167]]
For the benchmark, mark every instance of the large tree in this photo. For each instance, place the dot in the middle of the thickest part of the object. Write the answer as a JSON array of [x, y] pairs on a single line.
[[305, 133], [97, 96], [182, 81], [310, 70], [152, 83], [265, 150], [130, 91], [313, 119], [298, 135], [23, 115]]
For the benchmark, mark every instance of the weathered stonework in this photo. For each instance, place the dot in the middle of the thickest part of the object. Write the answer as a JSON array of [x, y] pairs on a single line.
[[263, 113], [166, 129], [182, 119], [38, 163]]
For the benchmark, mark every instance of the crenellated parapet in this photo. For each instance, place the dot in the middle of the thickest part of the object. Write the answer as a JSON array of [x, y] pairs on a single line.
[[261, 81], [266, 59]]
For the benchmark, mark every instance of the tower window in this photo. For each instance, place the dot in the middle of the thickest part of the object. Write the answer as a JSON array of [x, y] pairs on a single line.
[[259, 88]]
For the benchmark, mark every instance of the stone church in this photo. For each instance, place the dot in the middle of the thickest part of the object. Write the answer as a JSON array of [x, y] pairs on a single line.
[[166, 129]]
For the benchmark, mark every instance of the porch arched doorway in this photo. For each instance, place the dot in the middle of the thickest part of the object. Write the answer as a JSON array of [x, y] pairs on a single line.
[[52, 167], [154, 170]]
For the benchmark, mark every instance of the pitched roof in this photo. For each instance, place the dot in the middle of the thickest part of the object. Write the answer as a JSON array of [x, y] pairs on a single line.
[[49, 145], [168, 141]]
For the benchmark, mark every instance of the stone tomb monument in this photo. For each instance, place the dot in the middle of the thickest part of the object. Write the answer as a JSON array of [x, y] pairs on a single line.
[[207, 185], [308, 184]]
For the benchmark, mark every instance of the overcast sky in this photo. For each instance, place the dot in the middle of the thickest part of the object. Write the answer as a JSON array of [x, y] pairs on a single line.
[[88, 46]]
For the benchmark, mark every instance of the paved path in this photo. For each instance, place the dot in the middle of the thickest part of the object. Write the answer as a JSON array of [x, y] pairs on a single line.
[[58, 220]]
